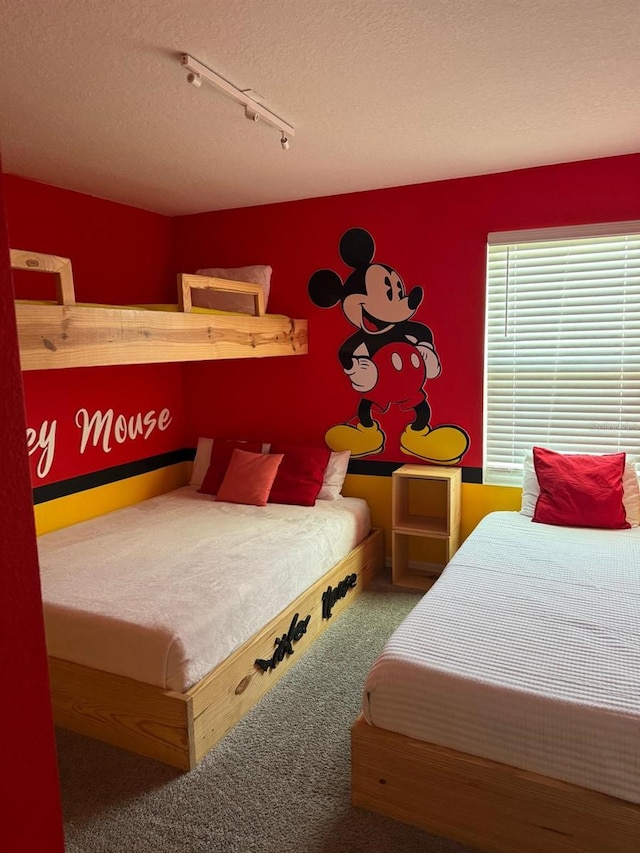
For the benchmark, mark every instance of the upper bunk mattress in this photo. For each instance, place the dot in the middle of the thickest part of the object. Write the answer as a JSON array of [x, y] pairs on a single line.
[[165, 590], [526, 651]]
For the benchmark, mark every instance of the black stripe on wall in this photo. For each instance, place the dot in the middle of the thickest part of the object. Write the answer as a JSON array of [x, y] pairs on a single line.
[[42, 494], [385, 469], [51, 491]]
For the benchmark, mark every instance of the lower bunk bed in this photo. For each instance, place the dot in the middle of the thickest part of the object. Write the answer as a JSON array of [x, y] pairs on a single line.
[[505, 711], [166, 621]]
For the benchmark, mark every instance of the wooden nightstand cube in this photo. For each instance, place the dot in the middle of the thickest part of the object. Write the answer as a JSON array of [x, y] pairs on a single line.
[[441, 522]]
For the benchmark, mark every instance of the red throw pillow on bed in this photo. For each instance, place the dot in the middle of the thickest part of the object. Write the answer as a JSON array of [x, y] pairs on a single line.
[[249, 478], [577, 490], [221, 452], [299, 477]]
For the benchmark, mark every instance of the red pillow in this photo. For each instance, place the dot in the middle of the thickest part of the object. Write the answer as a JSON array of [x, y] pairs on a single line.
[[221, 452], [299, 477], [579, 490], [249, 478]]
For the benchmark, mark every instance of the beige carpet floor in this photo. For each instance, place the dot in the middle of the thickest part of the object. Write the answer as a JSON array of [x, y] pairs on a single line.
[[278, 783]]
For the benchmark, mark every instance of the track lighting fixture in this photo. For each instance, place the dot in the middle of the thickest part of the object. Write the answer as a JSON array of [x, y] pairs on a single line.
[[253, 110]]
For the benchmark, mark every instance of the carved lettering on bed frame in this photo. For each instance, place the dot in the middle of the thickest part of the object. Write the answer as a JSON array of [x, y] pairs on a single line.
[[332, 594], [284, 644]]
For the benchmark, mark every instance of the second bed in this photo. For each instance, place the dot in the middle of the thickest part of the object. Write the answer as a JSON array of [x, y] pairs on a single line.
[[525, 655]]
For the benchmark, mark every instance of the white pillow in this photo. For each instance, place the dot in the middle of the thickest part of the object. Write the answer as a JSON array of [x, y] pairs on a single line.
[[630, 488], [334, 475], [203, 460], [240, 302]]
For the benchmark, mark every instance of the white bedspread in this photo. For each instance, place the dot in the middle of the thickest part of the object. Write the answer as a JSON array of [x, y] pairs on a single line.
[[165, 590], [526, 651]]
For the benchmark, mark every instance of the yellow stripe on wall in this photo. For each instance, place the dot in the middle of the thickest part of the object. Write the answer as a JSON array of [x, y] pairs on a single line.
[[477, 501], [71, 509]]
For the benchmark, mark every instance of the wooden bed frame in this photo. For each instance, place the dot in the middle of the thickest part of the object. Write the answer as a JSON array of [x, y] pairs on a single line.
[[486, 804], [69, 335], [180, 728], [482, 803]]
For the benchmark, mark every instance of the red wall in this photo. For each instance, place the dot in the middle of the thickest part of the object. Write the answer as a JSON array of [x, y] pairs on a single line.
[[119, 255], [29, 795], [432, 234], [85, 410]]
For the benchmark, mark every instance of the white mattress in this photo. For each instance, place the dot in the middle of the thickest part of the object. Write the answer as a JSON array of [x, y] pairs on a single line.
[[526, 651], [165, 590]]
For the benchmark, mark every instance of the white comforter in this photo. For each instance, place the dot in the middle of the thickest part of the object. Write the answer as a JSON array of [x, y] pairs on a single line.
[[526, 651], [165, 590]]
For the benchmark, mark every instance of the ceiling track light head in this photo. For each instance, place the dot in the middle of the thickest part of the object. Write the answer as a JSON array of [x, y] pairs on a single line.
[[284, 141]]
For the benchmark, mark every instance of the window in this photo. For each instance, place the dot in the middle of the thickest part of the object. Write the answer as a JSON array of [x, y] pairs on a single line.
[[562, 348]]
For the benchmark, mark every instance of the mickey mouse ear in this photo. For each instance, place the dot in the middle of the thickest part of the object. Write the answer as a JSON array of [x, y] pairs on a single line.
[[357, 247], [325, 288]]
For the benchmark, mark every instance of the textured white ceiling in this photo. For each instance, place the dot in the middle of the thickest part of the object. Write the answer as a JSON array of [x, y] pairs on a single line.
[[381, 93]]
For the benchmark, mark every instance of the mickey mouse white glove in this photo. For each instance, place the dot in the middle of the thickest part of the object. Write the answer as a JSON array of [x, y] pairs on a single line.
[[431, 360], [363, 374]]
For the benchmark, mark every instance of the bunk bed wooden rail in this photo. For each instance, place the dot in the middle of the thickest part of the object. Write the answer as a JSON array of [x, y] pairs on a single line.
[[69, 335]]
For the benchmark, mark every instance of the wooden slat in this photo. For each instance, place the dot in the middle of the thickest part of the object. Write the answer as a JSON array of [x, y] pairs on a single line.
[[54, 336], [187, 283], [123, 712], [489, 806], [39, 262]]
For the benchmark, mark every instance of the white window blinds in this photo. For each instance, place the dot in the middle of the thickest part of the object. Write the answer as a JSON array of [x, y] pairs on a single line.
[[562, 353]]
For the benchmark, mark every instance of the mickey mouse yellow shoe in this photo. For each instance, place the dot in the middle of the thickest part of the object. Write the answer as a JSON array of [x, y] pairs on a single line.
[[359, 439], [443, 444]]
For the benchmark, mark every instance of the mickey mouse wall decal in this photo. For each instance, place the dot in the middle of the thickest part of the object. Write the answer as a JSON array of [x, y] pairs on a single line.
[[388, 360]]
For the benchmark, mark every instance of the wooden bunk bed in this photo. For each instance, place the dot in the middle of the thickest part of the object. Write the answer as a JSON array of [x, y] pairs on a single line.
[[175, 728], [67, 334]]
